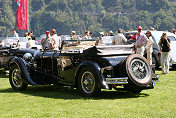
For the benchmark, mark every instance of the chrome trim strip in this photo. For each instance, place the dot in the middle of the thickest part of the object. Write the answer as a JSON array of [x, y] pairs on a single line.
[[122, 80]]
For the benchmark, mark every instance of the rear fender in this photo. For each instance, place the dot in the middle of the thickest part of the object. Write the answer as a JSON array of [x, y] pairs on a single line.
[[23, 66], [98, 71]]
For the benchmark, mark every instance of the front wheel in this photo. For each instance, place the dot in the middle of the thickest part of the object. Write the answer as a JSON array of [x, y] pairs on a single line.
[[15, 78], [87, 82]]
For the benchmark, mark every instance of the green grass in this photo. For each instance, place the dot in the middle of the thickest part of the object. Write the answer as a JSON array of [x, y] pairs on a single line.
[[49, 101]]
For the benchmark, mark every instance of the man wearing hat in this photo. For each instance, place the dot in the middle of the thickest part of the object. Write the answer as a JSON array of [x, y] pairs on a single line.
[[74, 36], [111, 33], [141, 41], [46, 41]]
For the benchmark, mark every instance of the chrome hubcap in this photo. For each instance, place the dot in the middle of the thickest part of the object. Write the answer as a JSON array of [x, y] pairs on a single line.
[[139, 69], [16, 78], [87, 82]]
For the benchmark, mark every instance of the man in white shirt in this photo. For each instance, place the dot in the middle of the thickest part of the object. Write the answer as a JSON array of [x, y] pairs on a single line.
[[15, 34], [55, 42], [87, 35], [74, 36], [119, 39], [141, 42]]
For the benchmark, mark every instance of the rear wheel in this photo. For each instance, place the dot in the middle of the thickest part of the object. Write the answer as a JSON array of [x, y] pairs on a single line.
[[15, 78], [87, 82]]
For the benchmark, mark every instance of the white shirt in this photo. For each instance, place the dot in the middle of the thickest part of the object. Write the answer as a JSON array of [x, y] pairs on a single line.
[[141, 40], [30, 44], [149, 45], [16, 35], [74, 37], [55, 42], [119, 39], [87, 37]]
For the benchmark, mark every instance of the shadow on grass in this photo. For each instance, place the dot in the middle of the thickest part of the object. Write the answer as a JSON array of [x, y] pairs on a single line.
[[70, 93]]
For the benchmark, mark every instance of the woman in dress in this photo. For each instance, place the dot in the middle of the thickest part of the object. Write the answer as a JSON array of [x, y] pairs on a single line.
[[164, 44], [149, 47]]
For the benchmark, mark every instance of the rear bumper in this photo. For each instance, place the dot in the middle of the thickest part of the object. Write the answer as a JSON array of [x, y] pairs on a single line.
[[121, 80], [155, 79]]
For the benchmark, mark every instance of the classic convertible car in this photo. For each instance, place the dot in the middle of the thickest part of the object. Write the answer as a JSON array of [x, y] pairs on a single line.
[[89, 70]]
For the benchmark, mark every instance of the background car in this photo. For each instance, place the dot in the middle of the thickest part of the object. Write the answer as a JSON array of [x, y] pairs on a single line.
[[13, 42], [156, 35]]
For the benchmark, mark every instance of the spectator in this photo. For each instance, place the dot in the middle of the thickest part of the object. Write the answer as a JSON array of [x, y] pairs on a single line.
[[91, 34], [173, 31], [32, 35], [29, 35], [26, 34], [164, 44], [152, 29], [101, 34], [46, 41], [149, 47], [87, 35], [74, 36], [55, 42], [107, 34], [100, 37], [15, 34], [119, 39], [62, 37], [30, 43], [111, 33], [140, 42]]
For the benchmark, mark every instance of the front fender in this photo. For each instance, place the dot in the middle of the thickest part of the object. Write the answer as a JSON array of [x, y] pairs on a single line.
[[23, 67], [98, 71]]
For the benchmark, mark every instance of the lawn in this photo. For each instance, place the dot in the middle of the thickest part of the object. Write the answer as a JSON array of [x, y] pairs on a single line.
[[50, 101]]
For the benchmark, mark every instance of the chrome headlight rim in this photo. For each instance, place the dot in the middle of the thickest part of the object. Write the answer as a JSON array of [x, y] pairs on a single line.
[[27, 56]]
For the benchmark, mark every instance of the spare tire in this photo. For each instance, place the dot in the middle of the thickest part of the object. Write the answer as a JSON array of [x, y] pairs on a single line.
[[138, 70]]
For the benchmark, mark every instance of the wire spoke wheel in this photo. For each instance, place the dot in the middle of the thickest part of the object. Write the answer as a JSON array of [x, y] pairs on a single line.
[[88, 82], [139, 69], [16, 78]]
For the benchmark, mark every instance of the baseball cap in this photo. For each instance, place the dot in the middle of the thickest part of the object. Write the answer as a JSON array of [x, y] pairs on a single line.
[[139, 28], [73, 32], [47, 32]]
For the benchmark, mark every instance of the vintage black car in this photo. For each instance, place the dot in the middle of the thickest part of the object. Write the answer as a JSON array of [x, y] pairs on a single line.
[[89, 70]]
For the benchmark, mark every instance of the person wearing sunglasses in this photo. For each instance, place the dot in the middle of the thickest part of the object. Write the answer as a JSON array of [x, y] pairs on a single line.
[[149, 47], [164, 45]]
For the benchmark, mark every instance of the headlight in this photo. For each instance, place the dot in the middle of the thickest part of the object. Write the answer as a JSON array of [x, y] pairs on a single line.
[[27, 56]]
